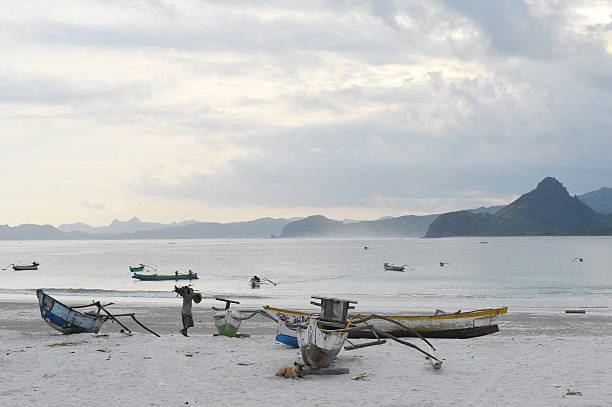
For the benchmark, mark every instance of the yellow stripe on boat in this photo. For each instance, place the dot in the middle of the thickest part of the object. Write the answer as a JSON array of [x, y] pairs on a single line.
[[287, 311], [469, 314]]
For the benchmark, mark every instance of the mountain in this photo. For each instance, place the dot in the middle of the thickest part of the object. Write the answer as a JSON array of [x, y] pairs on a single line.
[[259, 228], [320, 226], [37, 232], [600, 200], [547, 210], [117, 226], [491, 209]]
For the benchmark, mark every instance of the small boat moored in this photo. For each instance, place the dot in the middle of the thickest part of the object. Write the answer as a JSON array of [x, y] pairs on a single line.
[[393, 267], [159, 277], [136, 269], [20, 267]]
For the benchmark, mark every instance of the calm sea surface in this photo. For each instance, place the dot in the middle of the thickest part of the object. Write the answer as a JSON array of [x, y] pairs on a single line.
[[527, 274]]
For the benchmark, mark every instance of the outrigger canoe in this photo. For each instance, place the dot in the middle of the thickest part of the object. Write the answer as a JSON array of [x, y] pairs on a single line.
[[67, 320], [157, 277], [136, 269], [392, 267], [20, 267], [458, 325]]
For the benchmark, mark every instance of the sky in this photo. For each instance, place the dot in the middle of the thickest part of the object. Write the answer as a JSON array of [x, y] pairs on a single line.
[[235, 110]]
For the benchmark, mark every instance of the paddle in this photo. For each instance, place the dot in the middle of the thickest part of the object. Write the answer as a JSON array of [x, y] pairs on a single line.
[[269, 280]]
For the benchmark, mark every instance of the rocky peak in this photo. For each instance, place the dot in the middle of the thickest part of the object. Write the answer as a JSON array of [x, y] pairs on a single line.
[[551, 187]]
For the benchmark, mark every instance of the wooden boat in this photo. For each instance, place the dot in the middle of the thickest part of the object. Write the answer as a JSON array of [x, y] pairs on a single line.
[[285, 334], [20, 267], [319, 340], [136, 269], [255, 282], [158, 277], [392, 267], [324, 335], [67, 320], [458, 325], [227, 320]]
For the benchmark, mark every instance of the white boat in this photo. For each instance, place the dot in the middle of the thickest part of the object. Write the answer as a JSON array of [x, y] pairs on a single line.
[[318, 347]]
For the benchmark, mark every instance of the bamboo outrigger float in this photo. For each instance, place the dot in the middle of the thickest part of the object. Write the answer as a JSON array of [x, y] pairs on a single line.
[[323, 336], [67, 320]]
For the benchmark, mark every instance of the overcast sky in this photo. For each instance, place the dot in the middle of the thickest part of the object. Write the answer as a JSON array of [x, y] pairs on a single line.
[[224, 111]]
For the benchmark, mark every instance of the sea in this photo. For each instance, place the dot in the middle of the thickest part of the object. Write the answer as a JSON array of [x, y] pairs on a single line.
[[527, 274]]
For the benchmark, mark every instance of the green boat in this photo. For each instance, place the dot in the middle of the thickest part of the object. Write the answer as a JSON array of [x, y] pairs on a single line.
[[157, 277], [226, 320]]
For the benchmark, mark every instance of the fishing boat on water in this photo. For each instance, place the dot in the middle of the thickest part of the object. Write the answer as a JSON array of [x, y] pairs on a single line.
[[159, 277], [393, 267], [457, 325], [68, 320], [136, 269], [20, 267]]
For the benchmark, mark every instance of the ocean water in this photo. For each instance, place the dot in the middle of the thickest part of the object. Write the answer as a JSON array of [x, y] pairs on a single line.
[[525, 273]]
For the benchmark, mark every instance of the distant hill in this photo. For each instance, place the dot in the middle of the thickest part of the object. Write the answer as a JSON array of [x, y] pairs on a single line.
[[320, 226], [37, 232], [600, 200], [117, 226], [547, 210], [259, 228]]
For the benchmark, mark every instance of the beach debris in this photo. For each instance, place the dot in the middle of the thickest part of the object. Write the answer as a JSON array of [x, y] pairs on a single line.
[[295, 372], [52, 345], [577, 259], [443, 263], [573, 393], [362, 377], [575, 311], [245, 364]]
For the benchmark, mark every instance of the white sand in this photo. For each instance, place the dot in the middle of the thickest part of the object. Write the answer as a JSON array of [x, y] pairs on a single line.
[[531, 362]]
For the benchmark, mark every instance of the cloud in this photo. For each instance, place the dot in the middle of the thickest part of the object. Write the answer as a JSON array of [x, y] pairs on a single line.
[[374, 104]]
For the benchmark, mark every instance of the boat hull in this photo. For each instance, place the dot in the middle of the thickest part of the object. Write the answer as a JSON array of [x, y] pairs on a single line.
[[161, 277], [284, 334], [451, 326], [25, 267], [64, 319], [227, 322], [319, 348], [136, 269]]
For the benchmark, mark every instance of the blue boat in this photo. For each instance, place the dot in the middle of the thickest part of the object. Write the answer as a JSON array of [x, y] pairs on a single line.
[[66, 319]]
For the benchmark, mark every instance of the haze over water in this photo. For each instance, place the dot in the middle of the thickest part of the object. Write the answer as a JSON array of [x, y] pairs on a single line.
[[525, 273]]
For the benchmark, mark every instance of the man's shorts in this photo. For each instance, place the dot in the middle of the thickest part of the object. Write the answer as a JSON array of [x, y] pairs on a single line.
[[187, 321]]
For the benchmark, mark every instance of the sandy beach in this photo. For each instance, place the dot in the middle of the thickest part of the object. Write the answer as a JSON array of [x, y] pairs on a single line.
[[532, 361]]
